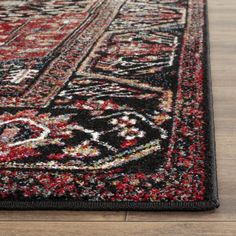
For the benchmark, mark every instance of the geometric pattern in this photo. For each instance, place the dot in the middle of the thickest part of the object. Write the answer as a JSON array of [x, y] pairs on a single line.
[[88, 93], [145, 14], [102, 100], [76, 143], [133, 54]]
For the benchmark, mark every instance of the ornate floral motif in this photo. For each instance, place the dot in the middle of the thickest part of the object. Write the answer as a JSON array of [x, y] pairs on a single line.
[[23, 133], [67, 141]]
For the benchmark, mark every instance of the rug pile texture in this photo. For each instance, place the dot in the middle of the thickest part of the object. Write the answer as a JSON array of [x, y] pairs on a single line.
[[105, 104]]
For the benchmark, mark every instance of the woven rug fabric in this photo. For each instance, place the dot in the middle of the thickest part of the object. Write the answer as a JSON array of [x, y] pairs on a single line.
[[106, 104]]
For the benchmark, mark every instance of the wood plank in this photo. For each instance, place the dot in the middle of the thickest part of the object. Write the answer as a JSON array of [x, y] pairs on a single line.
[[117, 229], [62, 216]]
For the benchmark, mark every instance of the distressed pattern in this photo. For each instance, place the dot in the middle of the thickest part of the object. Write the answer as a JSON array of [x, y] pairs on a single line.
[[103, 101]]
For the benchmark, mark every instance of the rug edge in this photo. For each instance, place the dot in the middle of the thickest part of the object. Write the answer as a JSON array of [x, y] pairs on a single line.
[[109, 206]]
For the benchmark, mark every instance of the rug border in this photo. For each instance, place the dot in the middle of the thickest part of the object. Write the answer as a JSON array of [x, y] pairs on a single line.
[[211, 204]]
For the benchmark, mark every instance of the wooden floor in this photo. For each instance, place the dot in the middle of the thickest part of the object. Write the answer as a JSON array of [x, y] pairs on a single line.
[[222, 14]]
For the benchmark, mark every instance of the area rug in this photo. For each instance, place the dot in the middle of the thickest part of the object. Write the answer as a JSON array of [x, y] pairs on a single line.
[[106, 105]]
